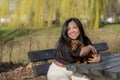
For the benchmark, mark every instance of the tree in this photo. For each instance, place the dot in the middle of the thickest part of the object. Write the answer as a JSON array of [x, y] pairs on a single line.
[[37, 13]]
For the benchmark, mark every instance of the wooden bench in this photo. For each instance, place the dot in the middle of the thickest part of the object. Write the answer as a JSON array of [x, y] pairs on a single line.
[[109, 67], [44, 56]]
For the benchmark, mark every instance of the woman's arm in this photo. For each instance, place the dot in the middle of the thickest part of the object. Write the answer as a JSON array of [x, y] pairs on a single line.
[[85, 50]]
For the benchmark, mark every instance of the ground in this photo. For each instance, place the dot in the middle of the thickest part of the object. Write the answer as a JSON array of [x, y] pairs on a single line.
[[10, 71]]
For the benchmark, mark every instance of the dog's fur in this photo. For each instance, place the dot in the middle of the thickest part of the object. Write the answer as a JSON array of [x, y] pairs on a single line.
[[78, 44]]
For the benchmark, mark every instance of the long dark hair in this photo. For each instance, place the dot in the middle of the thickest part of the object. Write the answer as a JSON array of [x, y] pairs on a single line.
[[64, 41]]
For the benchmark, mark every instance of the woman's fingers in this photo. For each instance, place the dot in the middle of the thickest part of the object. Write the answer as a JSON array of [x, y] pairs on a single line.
[[95, 59], [84, 51], [92, 49]]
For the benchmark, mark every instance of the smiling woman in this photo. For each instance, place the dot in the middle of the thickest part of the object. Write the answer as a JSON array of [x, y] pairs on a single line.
[[71, 30]]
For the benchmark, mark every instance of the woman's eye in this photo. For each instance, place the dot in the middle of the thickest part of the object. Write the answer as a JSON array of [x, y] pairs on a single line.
[[74, 27], [68, 28]]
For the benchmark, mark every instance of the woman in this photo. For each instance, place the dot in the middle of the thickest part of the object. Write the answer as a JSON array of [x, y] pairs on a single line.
[[72, 29]]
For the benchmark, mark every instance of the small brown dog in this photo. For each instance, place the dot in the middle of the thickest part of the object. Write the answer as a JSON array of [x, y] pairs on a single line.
[[78, 44]]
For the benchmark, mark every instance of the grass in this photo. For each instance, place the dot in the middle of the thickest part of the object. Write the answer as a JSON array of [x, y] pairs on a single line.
[[109, 34], [112, 26], [47, 38]]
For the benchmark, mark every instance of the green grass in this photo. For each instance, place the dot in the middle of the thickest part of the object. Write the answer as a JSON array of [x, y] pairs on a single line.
[[112, 26]]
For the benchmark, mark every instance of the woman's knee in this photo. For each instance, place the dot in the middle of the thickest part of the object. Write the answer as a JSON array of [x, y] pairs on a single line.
[[58, 76]]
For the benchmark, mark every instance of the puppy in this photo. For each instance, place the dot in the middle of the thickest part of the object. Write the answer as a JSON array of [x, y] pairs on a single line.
[[78, 44]]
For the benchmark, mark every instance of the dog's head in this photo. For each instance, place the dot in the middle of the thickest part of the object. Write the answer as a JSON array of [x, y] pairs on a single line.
[[76, 44]]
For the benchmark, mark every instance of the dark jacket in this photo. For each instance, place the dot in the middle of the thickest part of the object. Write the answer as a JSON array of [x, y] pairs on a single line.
[[66, 56]]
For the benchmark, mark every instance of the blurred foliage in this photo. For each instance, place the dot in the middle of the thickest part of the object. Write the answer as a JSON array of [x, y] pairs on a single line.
[[43, 13]]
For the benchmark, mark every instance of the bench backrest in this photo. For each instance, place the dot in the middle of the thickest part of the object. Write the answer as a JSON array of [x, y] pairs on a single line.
[[43, 55]]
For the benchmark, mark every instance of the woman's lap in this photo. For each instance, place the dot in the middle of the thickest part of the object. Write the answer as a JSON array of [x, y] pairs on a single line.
[[60, 73]]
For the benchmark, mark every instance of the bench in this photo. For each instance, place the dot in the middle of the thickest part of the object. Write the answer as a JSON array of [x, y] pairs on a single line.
[[109, 67], [44, 57]]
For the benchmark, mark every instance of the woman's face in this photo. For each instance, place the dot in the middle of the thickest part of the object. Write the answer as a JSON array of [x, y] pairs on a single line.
[[73, 30]]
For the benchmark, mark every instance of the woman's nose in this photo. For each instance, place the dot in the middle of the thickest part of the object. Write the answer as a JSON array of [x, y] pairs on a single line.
[[71, 30]]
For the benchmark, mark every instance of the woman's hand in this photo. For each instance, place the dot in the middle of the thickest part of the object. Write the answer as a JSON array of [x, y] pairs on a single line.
[[85, 50], [92, 49], [95, 59]]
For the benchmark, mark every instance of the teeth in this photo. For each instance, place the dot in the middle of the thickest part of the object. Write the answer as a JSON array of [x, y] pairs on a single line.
[[73, 34]]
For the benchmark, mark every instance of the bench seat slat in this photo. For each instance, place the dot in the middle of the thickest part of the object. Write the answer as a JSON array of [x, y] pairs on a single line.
[[41, 69], [113, 72], [110, 66]]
